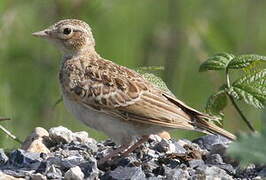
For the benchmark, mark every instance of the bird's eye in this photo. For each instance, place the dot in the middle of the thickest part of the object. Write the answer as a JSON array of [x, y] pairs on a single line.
[[67, 31]]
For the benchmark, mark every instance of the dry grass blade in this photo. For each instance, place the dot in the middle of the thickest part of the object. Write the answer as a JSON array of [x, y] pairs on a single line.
[[10, 134], [58, 101]]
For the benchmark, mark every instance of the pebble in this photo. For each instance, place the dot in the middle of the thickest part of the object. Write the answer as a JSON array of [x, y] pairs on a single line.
[[196, 163], [179, 148], [214, 172], [177, 174], [227, 167], [125, 173], [91, 168], [54, 173], [61, 134], [38, 176], [74, 173], [3, 157], [262, 173], [74, 155], [206, 142], [214, 159], [162, 146], [23, 158], [4, 176], [36, 142]]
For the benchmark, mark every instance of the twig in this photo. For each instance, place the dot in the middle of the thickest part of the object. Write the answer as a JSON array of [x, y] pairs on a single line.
[[10, 134], [234, 103], [4, 119], [227, 78], [241, 114], [58, 101]]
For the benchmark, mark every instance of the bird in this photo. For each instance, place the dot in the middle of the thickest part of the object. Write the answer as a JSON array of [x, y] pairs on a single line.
[[115, 99]]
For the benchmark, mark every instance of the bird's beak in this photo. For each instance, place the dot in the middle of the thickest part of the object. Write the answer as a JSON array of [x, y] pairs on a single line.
[[43, 34]]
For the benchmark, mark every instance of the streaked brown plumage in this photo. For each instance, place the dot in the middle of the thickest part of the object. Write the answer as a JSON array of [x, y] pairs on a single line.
[[112, 98]]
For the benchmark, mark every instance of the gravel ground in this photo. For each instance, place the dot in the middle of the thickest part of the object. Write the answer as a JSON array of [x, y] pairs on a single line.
[[62, 154]]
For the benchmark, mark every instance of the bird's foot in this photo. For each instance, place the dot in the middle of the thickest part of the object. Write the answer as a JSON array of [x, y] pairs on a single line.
[[112, 154]]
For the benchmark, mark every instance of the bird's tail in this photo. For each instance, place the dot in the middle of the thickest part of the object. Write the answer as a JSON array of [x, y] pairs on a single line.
[[211, 128], [201, 120]]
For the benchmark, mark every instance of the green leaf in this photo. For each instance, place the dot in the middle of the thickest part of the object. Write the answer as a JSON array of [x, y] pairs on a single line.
[[252, 88], [145, 71], [216, 103], [158, 82], [217, 62], [249, 148], [245, 60]]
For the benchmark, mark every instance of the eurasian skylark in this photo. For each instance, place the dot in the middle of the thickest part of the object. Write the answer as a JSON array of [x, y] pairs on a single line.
[[112, 98]]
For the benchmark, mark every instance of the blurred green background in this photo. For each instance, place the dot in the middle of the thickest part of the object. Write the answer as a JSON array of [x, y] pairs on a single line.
[[178, 35]]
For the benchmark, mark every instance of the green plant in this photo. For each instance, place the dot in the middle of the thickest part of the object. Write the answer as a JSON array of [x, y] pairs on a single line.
[[250, 148], [250, 87]]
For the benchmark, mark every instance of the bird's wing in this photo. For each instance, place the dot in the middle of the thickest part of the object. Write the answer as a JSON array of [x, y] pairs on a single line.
[[122, 92]]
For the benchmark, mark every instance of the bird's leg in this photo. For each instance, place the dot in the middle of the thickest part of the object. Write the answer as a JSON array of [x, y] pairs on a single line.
[[113, 153], [122, 148], [134, 146]]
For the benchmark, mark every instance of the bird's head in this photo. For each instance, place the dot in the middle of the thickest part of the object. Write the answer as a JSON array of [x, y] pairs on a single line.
[[71, 36]]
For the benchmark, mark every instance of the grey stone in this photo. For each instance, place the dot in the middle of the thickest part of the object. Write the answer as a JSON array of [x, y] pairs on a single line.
[[191, 171], [38, 176], [68, 162], [149, 167], [214, 159], [123, 173], [176, 174], [76, 147], [216, 173], [201, 168], [3, 157], [37, 141], [183, 142], [4, 176], [160, 170], [262, 173], [198, 175], [61, 134], [206, 142], [173, 163], [54, 173], [151, 153], [248, 173], [72, 161], [162, 146], [127, 161], [92, 147], [166, 146], [179, 148], [157, 159], [155, 138], [218, 149], [227, 167], [90, 168], [196, 163], [16, 172], [74, 173], [81, 136], [155, 178], [23, 158]]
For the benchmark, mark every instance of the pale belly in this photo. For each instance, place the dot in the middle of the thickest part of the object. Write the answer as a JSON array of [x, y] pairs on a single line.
[[119, 130]]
